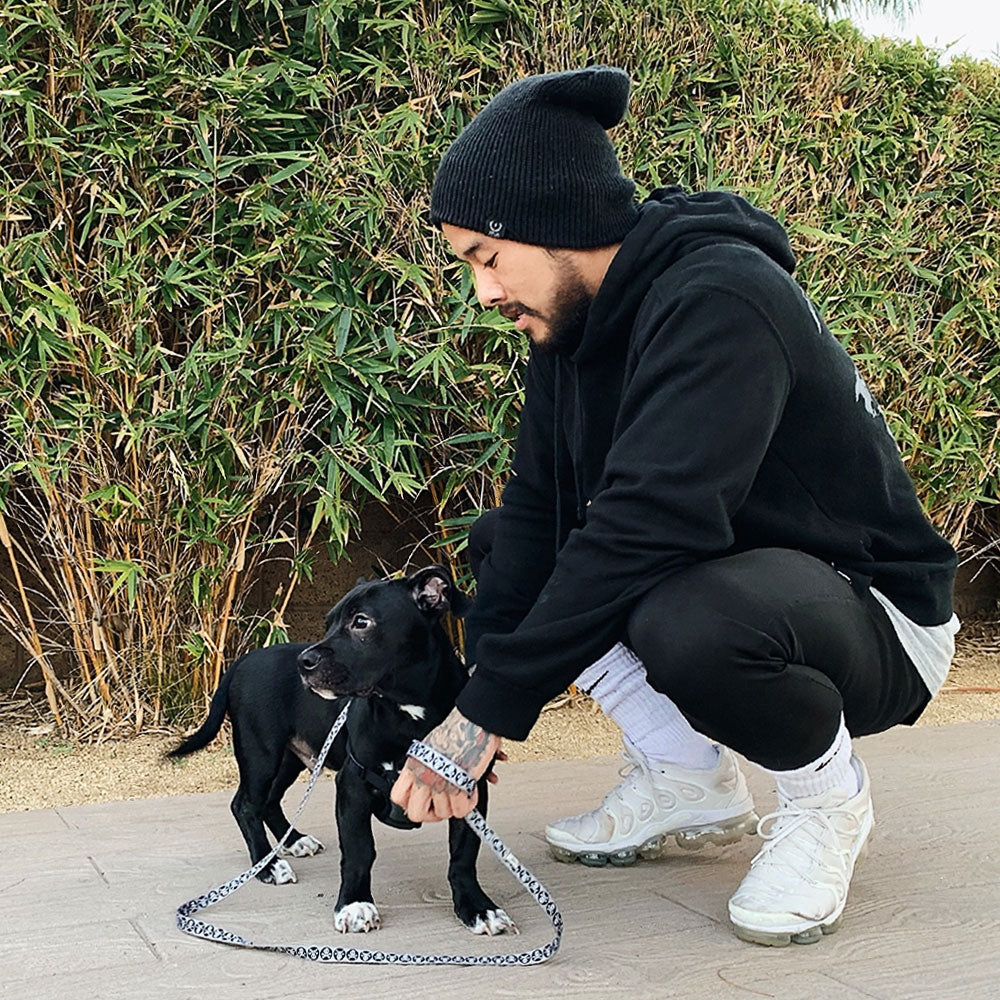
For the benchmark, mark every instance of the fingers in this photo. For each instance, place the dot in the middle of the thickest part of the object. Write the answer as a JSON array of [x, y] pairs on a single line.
[[418, 805], [415, 800], [458, 803], [492, 777], [426, 796], [400, 791], [424, 804], [409, 796]]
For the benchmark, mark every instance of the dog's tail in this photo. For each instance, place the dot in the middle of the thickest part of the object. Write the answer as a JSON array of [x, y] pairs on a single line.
[[211, 726]]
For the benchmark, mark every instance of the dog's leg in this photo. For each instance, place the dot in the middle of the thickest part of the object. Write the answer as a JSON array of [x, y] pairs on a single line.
[[355, 910], [298, 845], [472, 906], [256, 771]]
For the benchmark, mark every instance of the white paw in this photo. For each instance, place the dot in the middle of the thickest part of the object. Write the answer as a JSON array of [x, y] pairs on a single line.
[[304, 847], [495, 922], [281, 873], [357, 918]]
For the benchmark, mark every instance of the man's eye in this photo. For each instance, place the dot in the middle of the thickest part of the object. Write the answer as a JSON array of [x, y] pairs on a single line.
[[492, 262], [361, 622]]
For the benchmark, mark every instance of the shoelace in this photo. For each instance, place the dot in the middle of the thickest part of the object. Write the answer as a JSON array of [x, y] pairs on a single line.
[[626, 771], [663, 798], [619, 794], [361, 956], [789, 820]]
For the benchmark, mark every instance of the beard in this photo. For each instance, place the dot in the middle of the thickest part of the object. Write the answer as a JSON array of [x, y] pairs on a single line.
[[567, 316]]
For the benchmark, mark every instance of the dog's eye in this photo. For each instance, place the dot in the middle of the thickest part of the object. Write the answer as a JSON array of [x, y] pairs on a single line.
[[361, 622]]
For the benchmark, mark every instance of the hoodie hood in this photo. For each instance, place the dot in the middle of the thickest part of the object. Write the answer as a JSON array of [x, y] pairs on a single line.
[[673, 223]]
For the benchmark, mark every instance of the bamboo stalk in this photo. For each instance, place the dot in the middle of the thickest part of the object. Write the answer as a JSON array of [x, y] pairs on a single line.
[[36, 646], [958, 533], [220, 646]]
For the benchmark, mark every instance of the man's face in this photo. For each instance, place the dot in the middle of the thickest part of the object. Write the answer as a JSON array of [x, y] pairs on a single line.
[[542, 291]]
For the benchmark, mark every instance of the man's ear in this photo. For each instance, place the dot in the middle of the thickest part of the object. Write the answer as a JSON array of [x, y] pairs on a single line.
[[434, 592]]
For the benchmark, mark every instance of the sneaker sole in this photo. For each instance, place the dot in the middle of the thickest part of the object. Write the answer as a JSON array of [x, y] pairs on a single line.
[[777, 939], [719, 834]]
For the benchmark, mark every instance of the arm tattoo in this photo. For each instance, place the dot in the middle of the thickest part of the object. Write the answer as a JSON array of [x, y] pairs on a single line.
[[458, 739], [428, 778]]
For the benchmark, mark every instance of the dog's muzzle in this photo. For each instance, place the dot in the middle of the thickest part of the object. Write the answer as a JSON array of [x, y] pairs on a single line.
[[324, 676]]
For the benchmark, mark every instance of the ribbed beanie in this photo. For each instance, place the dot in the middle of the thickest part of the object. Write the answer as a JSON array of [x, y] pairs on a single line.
[[536, 164]]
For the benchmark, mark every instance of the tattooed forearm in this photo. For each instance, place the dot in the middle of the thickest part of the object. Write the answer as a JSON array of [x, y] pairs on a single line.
[[460, 740]]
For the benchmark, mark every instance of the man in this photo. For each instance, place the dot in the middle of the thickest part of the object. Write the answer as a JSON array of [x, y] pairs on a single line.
[[708, 525]]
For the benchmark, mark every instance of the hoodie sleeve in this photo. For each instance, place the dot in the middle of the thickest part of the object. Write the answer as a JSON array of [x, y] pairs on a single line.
[[525, 544], [705, 391]]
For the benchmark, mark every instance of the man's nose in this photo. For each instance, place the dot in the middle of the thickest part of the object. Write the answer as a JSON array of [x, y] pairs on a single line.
[[489, 291]]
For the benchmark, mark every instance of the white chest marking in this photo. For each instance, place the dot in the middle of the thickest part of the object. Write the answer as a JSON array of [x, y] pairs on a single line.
[[416, 712]]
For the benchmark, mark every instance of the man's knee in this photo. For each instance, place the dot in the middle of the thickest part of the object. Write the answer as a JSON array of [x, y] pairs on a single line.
[[709, 618], [682, 637]]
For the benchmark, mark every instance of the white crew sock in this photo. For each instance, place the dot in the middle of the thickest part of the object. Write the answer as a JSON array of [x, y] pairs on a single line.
[[831, 770], [652, 723]]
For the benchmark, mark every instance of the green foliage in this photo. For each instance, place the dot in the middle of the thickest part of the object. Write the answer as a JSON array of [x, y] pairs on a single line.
[[225, 324]]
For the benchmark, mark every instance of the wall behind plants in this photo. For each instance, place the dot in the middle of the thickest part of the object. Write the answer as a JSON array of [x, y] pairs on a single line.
[[225, 325]]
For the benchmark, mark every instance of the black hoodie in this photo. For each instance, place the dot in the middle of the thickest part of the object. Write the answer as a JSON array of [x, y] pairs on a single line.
[[706, 410]]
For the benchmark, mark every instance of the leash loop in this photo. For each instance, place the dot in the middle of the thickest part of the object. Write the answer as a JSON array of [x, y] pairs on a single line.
[[362, 956]]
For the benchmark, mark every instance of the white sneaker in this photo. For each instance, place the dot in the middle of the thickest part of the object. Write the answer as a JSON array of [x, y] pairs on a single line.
[[654, 803], [797, 885]]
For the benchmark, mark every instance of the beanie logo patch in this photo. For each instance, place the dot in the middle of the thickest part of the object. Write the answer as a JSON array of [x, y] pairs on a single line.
[[494, 229]]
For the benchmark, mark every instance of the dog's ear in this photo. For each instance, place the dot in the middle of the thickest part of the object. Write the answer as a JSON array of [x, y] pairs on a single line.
[[434, 592]]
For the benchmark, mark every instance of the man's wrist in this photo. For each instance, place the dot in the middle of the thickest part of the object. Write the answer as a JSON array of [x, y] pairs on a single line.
[[463, 742], [509, 710]]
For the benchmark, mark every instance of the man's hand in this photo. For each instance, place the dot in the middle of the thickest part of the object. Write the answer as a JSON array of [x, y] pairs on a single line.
[[423, 793]]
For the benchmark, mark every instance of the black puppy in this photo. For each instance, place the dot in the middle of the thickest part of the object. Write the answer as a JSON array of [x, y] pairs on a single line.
[[385, 648]]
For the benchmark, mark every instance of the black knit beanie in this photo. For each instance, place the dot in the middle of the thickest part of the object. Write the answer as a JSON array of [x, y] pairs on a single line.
[[536, 164]]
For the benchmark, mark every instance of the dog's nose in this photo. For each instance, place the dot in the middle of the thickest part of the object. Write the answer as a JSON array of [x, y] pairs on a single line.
[[309, 659]]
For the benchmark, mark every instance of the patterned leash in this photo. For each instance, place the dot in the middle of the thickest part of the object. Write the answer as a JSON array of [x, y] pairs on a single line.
[[361, 956]]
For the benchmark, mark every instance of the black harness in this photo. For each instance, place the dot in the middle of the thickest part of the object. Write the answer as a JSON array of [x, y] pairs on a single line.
[[381, 783]]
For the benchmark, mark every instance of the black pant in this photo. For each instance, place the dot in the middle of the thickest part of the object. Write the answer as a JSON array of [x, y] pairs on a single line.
[[764, 650]]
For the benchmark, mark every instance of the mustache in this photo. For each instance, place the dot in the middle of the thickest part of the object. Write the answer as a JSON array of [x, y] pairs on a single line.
[[514, 309]]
